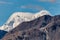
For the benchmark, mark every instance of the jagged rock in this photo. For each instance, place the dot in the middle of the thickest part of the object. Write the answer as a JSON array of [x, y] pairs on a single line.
[[43, 28]]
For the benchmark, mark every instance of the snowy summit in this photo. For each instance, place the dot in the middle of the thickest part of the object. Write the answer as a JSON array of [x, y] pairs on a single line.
[[19, 17]]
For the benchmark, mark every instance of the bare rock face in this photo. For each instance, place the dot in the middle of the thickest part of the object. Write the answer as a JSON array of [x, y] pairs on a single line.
[[31, 34], [43, 28], [54, 29]]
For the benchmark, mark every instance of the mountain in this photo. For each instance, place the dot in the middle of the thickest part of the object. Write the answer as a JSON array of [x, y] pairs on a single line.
[[2, 33], [19, 17], [41, 13], [43, 28], [40, 22], [16, 19]]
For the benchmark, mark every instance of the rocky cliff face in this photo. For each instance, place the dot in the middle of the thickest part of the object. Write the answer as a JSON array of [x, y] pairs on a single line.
[[43, 28]]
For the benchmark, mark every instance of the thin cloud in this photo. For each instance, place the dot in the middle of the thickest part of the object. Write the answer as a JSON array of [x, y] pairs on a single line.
[[47, 0], [4, 2], [34, 7]]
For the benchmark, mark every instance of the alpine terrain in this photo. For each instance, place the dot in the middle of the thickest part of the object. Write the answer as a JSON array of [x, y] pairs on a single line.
[[19, 17], [40, 26]]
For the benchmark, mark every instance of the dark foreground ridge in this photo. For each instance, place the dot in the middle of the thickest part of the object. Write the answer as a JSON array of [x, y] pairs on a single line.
[[2, 33], [43, 28]]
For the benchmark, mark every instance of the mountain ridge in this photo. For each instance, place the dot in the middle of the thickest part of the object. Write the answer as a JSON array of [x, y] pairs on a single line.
[[19, 17], [45, 28]]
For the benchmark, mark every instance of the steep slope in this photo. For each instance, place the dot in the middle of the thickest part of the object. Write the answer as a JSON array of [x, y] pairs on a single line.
[[40, 22], [15, 20], [32, 30], [54, 29], [41, 13], [19, 17]]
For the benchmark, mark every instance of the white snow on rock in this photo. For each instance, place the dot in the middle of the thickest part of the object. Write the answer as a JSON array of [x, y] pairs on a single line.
[[18, 17]]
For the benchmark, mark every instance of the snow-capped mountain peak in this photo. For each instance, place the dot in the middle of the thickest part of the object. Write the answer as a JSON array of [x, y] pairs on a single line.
[[41, 13], [19, 17], [15, 19]]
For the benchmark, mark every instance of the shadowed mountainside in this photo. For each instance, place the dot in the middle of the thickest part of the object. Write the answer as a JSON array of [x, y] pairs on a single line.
[[43, 28], [2, 33]]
